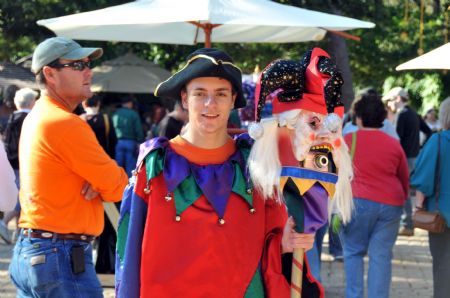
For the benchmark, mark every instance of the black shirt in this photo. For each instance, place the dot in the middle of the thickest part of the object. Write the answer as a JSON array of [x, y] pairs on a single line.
[[409, 124]]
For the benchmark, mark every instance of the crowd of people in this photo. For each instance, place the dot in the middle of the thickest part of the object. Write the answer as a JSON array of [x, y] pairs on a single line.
[[191, 197]]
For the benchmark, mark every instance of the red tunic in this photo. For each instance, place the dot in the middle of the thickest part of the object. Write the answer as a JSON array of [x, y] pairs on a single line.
[[198, 257]]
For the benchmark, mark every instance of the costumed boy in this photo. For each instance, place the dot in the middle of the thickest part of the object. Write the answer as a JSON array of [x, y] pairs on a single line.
[[191, 225], [299, 155]]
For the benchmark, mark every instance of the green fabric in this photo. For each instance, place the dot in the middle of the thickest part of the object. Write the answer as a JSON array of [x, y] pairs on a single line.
[[122, 233], [239, 186], [186, 193], [336, 223], [127, 125], [256, 288], [352, 150], [154, 163], [295, 205]]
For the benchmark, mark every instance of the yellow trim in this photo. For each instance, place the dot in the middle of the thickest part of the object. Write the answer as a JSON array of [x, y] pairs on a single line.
[[213, 60], [304, 185]]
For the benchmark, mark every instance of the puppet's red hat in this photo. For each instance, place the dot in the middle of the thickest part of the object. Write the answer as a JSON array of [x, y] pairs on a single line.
[[313, 84]]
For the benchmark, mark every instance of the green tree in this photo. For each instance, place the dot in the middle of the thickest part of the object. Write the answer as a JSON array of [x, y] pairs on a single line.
[[394, 40]]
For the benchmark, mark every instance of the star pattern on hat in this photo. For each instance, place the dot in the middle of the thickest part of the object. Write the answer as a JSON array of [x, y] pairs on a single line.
[[287, 76], [332, 89]]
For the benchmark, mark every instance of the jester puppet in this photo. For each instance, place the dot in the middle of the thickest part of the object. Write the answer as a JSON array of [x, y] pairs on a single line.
[[191, 224], [299, 156]]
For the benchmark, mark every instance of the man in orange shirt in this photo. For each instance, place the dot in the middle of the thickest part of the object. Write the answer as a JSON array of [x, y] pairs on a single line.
[[65, 177]]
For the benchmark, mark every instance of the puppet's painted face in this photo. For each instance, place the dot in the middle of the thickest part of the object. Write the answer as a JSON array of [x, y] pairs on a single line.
[[315, 139]]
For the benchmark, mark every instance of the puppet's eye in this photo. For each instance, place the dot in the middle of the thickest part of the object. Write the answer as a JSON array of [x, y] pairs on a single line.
[[321, 161], [314, 123]]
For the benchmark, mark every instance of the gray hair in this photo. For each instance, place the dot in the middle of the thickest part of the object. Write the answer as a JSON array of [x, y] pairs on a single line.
[[444, 113], [25, 98]]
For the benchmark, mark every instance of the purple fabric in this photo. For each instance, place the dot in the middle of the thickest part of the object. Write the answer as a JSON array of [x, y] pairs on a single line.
[[216, 182], [315, 201], [150, 145], [176, 169]]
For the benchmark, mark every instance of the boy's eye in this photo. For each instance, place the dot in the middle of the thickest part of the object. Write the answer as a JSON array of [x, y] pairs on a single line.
[[199, 93]]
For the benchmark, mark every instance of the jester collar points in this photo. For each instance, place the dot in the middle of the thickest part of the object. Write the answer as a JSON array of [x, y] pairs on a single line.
[[188, 181]]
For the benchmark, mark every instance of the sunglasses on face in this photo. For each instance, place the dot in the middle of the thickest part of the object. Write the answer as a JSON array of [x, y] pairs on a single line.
[[76, 65]]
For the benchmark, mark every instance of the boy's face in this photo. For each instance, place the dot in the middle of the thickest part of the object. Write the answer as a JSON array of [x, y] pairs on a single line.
[[209, 101]]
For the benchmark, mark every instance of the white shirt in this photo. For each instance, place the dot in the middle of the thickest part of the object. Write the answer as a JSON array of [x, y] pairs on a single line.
[[8, 188]]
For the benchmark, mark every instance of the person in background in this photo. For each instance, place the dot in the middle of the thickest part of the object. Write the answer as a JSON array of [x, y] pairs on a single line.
[[101, 124], [24, 100], [153, 120], [8, 187], [128, 127], [65, 176], [408, 125], [104, 132], [7, 106], [423, 179], [171, 125], [433, 123], [380, 187], [351, 126]]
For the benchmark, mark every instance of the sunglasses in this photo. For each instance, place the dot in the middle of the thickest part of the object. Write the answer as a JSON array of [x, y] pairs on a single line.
[[76, 65]]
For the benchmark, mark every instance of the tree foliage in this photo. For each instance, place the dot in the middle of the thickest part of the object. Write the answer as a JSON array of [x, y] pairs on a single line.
[[394, 40]]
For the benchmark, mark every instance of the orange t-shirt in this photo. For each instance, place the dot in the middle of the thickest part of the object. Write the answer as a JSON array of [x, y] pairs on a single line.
[[202, 156], [58, 153]]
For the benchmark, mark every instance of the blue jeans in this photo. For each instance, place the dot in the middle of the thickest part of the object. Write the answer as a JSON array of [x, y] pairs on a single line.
[[440, 252], [126, 154], [42, 268], [334, 241], [16, 172], [407, 207], [373, 229], [315, 253]]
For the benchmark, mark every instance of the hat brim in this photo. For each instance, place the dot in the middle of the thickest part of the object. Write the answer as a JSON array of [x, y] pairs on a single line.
[[81, 53], [171, 88], [387, 98]]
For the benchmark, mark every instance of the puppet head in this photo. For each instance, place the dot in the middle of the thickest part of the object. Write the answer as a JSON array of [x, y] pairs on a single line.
[[305, 128]]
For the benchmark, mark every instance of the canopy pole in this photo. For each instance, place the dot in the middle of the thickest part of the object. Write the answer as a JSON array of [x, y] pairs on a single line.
[[343, 34], [207, 29]]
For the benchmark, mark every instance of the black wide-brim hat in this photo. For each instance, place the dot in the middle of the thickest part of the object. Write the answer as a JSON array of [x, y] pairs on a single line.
[[206, 62]]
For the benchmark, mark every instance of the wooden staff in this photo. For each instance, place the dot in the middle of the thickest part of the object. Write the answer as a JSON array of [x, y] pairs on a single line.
[[297, 273]]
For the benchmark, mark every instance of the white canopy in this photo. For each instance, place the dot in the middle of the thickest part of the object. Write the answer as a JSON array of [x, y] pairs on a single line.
[[436, 59], [128, 74], [177, 21]]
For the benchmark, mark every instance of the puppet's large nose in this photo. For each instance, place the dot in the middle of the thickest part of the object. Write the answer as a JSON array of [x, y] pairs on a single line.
[[323, 134]]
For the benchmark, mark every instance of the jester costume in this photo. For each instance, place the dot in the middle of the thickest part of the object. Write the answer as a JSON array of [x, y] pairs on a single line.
[[190, 226]]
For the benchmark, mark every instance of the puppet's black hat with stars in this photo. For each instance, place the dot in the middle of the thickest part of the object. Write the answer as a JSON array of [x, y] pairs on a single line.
[[312, 84]]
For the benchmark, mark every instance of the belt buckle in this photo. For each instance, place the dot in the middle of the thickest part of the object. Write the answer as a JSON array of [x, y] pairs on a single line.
[[83, 237], [47, 235]]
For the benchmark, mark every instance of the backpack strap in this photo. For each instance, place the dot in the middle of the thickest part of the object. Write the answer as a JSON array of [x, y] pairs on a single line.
[[352, 150], [107, 128]]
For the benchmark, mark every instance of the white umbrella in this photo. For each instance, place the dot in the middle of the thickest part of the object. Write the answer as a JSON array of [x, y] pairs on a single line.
[[436, 59], [128, 74], [178, 22]]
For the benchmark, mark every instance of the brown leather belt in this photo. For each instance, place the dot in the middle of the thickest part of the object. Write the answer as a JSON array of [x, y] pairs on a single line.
[[49, 235]]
